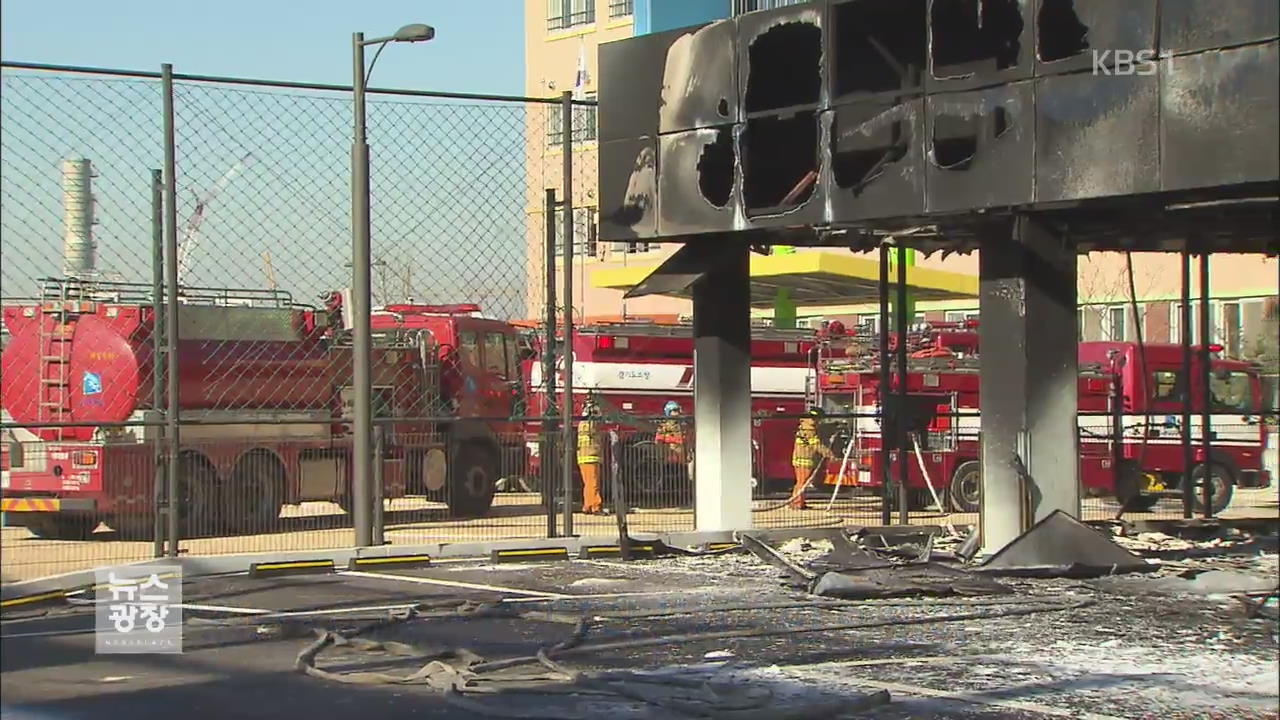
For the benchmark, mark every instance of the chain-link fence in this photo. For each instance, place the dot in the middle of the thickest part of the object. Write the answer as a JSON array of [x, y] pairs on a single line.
[[180, 363], [251, 447]]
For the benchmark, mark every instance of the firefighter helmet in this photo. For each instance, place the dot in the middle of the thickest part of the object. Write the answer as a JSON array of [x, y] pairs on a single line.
[[671, 408], [814, 411]]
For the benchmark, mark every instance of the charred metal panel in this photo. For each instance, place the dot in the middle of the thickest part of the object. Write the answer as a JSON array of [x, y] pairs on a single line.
[[1218, 117], [974, 43], [1191, 25], [876, 168], [876, 47], [1096, 136], [1073, 35], [629, 99], [980, 148], [780, 59], [629, 189], [700, 79], [699, 185], [780, 159]]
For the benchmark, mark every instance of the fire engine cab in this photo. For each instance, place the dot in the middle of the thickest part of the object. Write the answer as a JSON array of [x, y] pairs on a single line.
[[264, 404], [1129, 392], [634, 368]]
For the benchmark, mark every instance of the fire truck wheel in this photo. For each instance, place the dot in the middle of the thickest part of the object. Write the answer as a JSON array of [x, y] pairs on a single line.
[[473, 477], [256, 493], [51, 526], [1221, 486], [1129, 484], [198, 493], [966, 484]]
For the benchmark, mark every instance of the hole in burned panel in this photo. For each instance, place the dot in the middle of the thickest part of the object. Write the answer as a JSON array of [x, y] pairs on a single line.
[[784, 67], [1001, 121], [779, 162], [1060, 34], [878, 45], [972, 36], [642, 185], [722, 108], [715, 169], [865, 144], [955, 140]]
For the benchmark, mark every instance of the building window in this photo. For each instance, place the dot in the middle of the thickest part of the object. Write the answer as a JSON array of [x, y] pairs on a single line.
[[584, 123], [1175, 323], [960, 316], [562, 14], [1116, 323], [620, 8], [584, 232], [1232, 330], [746, 6]]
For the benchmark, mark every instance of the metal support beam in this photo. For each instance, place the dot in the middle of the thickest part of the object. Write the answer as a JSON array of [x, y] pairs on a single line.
[[361, 312], [159, 496], [172, 436], [546, 444], [1184, 326], [1029, 379], [722, 394], [1206, 389], [568, 436], [886, 501], [899, 427]]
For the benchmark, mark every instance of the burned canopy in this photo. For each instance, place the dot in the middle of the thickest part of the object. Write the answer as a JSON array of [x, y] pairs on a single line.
[[857, 114]]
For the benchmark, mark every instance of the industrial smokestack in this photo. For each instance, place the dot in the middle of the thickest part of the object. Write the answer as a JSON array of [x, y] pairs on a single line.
[[77, 202]]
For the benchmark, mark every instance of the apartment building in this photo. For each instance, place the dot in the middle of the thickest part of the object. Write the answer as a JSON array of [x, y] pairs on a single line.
[[561, 41]]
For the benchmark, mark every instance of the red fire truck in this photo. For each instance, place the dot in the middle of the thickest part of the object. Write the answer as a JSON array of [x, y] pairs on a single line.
[[634, 368], [1114, 389], [264, 388]]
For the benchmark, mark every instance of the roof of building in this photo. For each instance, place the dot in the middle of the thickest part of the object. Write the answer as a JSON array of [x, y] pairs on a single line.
[[813, 278]]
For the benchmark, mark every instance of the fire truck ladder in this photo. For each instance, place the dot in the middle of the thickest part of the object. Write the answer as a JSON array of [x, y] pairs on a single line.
[[55, 359]]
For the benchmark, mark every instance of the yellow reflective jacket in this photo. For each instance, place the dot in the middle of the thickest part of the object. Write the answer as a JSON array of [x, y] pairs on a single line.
[[588, 442], [671, 435], [808, 448]]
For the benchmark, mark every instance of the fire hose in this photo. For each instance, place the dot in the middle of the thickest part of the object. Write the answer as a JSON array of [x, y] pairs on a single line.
[[458, 672]]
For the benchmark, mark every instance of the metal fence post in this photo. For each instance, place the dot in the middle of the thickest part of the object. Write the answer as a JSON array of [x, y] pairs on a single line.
[[566, 110], [1188, 452], [885, 466], [172, 428], [1206, 377], [159, 497], [900, 425], [361, 351], [378, 477], [546, 444]]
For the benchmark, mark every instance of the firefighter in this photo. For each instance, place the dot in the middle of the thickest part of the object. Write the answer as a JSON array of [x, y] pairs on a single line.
[[590, 457], [807, 456], [671, 438]]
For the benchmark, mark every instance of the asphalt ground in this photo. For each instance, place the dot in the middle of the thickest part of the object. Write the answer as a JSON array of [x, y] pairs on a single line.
[[1125, 655]]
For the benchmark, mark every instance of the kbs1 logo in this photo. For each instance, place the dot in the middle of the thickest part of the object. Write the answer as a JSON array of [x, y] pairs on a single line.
[[1124, 62]]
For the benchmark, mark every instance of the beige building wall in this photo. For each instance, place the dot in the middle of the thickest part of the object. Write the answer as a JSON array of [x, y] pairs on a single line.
[[1244, 287]]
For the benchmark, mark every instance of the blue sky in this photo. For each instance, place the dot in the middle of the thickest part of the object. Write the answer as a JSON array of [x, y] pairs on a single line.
[[479, 45], [449, 177]]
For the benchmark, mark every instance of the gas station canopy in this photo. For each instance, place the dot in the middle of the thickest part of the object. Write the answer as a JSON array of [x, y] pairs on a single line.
[[811, 278]]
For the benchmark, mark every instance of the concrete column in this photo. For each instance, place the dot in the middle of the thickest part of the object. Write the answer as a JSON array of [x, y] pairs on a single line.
[[1029, 379], [722, 394]]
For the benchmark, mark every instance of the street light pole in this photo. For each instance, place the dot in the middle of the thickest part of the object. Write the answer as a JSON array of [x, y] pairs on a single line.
[[362, 350], [362, 497]]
